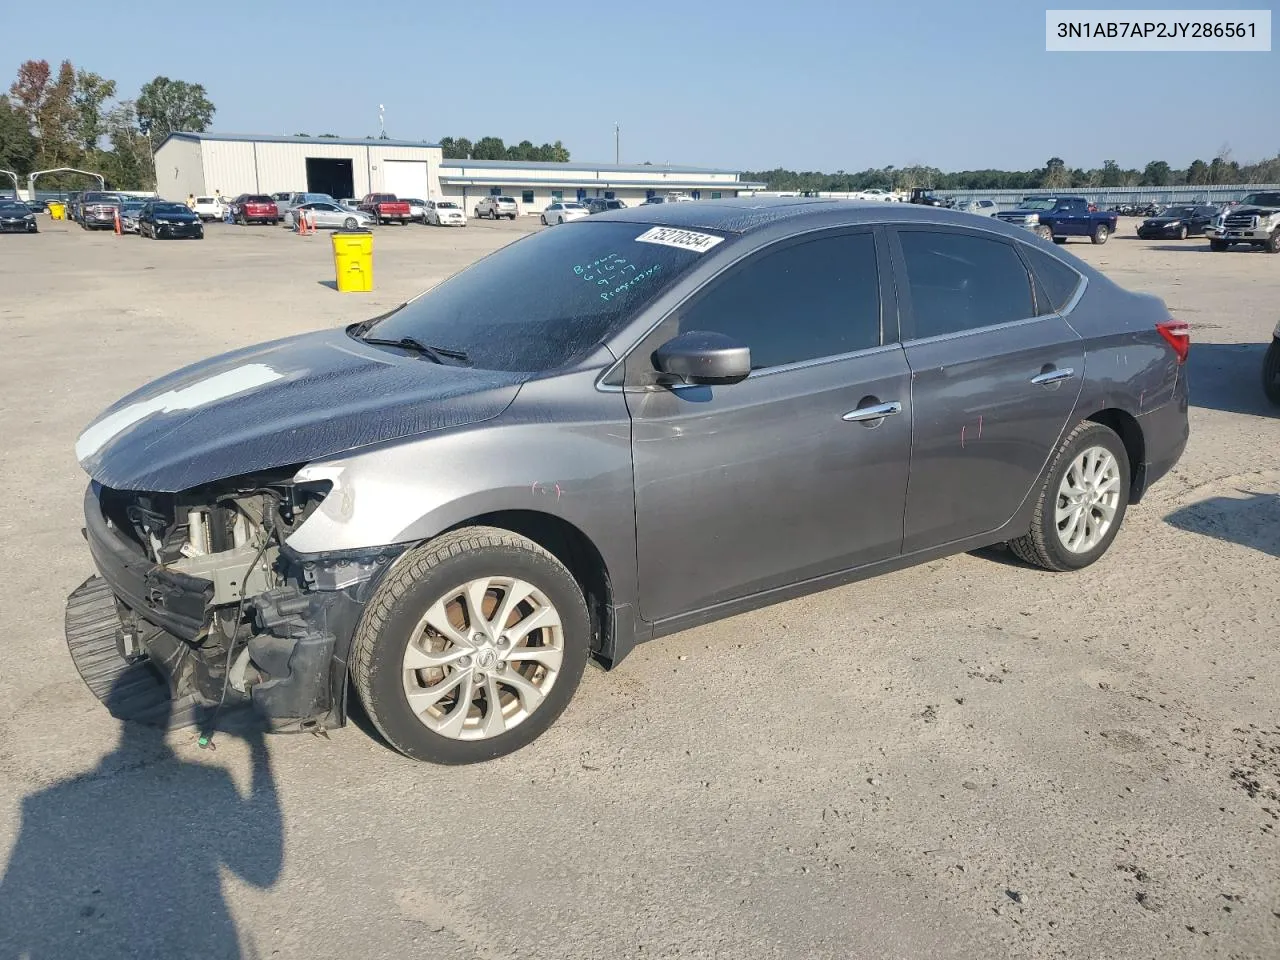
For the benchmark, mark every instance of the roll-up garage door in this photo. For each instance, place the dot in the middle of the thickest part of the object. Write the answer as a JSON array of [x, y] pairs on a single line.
[[405, 178]]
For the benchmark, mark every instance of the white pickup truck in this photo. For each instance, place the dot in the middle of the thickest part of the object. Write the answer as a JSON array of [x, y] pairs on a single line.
[[1255, 221]]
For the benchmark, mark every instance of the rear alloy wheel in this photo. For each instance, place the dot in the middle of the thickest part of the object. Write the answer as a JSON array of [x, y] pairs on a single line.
[[1082, 502], [1100, 234], [1271, 372], [471, 647]]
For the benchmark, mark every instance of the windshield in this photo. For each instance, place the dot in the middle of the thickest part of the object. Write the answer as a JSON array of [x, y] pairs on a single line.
[[169, 208], [1177, 213], [8, 206], [446, 205], [413, 202], [1269, 199], [574, 206], [543, 302], [1039, 203], [204, 199], [258, 199]]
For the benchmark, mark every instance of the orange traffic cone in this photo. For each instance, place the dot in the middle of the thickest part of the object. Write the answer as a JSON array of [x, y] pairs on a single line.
[[119, 231]]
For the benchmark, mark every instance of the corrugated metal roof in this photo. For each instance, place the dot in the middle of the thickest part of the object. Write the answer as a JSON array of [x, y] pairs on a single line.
[[259, 138], [574, 165], [457, 179]]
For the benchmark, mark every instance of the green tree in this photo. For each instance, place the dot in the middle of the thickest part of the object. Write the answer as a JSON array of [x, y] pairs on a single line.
[[46, 104], [1055, 175], [1198, 172], [17, 145], [489, 148], [524, 150], [1157, 174], [128, 163], [1112, 175], [169, 106], [90, 98]]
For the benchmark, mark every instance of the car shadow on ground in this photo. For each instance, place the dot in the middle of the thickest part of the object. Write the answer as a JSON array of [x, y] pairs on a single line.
[[125, 859], [1228, 376], [1251, 520]]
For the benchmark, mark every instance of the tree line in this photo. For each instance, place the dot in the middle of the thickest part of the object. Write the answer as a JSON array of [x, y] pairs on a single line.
[[1054, 175], [72, 117], [492, 148]]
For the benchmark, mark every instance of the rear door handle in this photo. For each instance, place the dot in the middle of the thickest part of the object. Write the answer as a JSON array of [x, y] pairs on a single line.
[[876, 412], [1054, 376]]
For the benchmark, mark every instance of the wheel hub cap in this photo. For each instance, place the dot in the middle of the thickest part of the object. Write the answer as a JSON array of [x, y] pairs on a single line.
[[483, 658], [1088, 499]]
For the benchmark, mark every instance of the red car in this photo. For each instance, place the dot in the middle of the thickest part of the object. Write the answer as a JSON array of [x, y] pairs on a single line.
[[254, 208], [385, 207]]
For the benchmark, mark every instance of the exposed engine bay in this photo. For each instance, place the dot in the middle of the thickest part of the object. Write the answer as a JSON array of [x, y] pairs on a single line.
[[206, 591]]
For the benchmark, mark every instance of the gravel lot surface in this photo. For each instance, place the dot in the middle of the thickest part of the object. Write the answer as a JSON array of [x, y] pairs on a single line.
[[967, 759]]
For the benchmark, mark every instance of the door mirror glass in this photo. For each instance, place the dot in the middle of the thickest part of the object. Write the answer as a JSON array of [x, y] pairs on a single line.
[[703, 357]]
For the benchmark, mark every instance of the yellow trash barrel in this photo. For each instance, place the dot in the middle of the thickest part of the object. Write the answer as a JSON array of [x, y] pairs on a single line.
[[353, 261], [57, 210]]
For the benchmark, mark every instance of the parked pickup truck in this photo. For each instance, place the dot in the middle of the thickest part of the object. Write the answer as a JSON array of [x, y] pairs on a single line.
[[385, 207], [1059, 218], [1255, 221]]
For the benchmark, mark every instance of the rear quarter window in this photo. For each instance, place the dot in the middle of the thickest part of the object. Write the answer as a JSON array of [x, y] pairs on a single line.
[[1057, 282]]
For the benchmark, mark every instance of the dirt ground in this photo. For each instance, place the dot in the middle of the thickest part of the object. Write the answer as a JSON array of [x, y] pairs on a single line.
[[966, 759]]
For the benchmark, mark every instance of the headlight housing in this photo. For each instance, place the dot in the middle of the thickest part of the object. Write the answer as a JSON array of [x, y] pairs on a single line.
[[1031, 218], [1174, 223]]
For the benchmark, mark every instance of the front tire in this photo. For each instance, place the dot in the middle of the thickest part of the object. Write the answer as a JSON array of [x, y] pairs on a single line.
[[1101, 233], [1044, 232], [471, 647], [1271, 372], [544, 219], [1182, 233], [1217, 246], [1081, 503], [1273, 242]]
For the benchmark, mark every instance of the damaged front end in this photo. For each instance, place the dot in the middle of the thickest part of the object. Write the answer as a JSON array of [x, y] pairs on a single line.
[[200, 603]]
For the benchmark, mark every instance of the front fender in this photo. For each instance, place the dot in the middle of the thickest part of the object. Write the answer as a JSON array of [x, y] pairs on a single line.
[[411, 491]]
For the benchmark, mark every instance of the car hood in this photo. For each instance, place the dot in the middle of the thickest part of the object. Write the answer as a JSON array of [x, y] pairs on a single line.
[[1164, 221], [1020, 212], [1260, 211], [277, 404]]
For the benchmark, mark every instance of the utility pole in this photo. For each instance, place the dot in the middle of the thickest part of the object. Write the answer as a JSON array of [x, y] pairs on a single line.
[[617, 149]]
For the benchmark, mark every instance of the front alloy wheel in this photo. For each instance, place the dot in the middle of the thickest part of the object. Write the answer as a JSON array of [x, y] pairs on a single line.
[[471, 647]]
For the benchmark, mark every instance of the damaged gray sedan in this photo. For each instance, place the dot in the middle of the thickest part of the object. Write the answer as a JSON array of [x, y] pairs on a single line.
[[643, 421]]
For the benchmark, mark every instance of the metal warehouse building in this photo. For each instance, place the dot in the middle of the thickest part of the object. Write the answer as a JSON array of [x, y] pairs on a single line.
[[231, 164]]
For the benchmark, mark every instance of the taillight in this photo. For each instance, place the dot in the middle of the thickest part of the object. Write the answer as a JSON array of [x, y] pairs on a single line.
[[1177, 333]]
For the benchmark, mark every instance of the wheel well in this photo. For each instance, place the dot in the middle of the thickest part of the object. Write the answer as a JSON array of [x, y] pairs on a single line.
[[1126, 427], [571, 547]]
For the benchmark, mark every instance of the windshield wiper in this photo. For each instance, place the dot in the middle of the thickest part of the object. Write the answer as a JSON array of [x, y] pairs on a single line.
[[434, 354]]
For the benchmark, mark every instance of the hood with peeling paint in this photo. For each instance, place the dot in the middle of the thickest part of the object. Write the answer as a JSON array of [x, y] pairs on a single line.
[[281, 403]]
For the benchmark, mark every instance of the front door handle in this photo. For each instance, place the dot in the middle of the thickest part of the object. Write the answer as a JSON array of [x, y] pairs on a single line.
[[876, 412], [1054, 376]]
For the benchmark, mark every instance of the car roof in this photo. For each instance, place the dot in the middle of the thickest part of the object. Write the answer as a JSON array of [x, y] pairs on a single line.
[[744, 215]]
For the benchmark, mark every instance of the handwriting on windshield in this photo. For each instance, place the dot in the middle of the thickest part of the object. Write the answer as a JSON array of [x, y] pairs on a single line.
[[613, 274]]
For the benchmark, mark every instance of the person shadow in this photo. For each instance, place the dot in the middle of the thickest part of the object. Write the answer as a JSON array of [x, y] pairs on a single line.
[[125, 859]]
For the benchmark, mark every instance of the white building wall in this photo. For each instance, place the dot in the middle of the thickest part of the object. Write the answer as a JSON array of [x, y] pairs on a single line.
[[238, 166], [179, 169], [468, 197]]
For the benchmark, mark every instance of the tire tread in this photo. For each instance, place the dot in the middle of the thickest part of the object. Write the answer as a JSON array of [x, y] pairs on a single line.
[[416, 565]]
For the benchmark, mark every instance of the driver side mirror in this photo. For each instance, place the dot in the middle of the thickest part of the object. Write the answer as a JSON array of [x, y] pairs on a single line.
[[702, 357]]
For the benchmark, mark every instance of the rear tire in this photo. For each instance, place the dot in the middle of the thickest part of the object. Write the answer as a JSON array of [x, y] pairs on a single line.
[[1271, 372], [1049, 543], [398, 632], [1101, 233]]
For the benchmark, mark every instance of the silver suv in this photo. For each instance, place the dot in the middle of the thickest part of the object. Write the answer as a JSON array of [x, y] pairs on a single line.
[[497, 207]]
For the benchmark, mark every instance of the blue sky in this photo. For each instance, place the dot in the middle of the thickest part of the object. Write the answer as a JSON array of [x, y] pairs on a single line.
[[751, 85]]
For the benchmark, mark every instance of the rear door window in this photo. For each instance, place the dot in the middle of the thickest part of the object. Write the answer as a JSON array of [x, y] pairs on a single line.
[[960, 281], [803, 301]]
